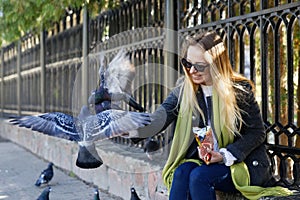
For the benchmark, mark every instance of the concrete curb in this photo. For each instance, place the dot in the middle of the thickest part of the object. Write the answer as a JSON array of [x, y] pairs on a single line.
[[116, 176]]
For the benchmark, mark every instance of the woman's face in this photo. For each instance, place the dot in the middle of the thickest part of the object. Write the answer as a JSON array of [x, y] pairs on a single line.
[[195, 55]]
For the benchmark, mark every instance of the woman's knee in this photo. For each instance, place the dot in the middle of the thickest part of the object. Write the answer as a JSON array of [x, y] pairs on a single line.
[[180, 173], [198, 175], [183, 171]]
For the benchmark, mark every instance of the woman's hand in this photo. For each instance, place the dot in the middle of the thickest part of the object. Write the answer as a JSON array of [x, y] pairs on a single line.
[[209, 156]]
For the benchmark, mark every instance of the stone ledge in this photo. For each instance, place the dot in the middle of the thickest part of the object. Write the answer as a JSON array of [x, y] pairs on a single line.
[[122, 167], [238, 196]]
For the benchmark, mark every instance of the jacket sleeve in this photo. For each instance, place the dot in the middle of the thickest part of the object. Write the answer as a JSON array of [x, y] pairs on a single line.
[[252, 133], [163, 116]]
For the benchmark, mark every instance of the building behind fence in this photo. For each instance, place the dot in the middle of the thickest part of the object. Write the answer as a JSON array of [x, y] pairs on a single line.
[[44, 73]]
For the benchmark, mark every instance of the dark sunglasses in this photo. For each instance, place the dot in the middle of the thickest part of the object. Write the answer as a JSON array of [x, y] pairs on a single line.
[[198, 67]]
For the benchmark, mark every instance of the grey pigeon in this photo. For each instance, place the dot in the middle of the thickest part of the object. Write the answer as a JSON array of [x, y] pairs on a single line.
[[134, 195], [45, 176], [85, 129], [88, 127], [114, 84], [103, 100], [96, 194], [45, 194]]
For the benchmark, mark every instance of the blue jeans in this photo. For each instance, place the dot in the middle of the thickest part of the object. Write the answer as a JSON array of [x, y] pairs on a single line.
[[195, 182]]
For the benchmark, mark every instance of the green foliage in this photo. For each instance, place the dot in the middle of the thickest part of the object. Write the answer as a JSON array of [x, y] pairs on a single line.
[[20, 17]]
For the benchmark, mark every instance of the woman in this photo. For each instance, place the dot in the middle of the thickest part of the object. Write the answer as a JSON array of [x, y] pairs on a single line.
[[237, 154]]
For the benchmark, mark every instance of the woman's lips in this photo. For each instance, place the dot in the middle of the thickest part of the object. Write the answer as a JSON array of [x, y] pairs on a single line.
[[198, 77]]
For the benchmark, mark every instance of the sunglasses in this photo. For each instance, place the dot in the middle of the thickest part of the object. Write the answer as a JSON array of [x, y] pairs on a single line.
[[198, 67]]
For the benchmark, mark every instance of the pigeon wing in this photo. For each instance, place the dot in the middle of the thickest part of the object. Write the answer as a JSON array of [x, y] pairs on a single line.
[[119, 74], [112, 123], [55, 124]]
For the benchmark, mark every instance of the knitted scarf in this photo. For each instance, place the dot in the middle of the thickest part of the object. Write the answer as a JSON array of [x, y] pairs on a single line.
[[182, 139]]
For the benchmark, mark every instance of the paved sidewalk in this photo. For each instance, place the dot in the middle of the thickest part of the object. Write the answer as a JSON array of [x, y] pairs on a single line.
[[19, 170]]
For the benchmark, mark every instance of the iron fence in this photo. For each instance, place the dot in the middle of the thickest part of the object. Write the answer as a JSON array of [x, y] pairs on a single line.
[[262, 39]]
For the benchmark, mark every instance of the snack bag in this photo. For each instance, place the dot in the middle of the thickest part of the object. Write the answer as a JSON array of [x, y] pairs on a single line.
[[205, 141]]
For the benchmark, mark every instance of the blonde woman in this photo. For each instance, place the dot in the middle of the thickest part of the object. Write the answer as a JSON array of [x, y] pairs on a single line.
[[213, 95]]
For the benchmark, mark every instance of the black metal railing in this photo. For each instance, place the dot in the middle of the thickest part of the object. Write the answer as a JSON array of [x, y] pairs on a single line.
[[262, 39]]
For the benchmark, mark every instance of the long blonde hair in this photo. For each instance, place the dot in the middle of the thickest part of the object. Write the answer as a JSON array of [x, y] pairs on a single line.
[[223, 77]]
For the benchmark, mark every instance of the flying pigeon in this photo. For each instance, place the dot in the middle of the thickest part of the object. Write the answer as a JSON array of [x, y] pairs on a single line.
[[114, 84], [45, 176], [134, 195], [86, 128], [45, 194], [96, 194], [106, 121]]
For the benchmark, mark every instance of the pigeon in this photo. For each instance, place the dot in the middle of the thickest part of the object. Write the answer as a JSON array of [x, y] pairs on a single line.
[[114, 84], [107, 120], [86, 129], [134, 195], [96, 194], [45, 176], [45, 194], [102, 99]]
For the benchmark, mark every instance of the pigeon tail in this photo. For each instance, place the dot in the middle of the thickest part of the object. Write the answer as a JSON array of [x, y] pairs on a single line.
[[88, 157], [38, 183]]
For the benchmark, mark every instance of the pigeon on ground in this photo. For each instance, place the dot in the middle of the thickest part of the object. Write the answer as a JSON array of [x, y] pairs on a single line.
[[45, 194], [45, 176], [134, 195], [114, 84], [96, 194]]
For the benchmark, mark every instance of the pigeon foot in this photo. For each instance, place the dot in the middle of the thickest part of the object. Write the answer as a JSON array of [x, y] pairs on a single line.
[[88, 157]]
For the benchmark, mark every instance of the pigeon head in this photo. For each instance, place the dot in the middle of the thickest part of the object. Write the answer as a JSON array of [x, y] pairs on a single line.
[[132, 189], [134, 195], [99, 95], [96, 194], [45, 194]]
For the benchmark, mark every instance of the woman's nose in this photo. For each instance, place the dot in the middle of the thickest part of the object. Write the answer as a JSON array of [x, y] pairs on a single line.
[[193, 70]]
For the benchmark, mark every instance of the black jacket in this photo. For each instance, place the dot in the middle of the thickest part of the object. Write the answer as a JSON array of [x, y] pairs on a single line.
[[248, 147]]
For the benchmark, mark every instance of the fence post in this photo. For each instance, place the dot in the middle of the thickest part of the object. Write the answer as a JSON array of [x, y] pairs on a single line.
[[43, 70], [230, 44], [19, 81], [2, 82], [85, 62], [170, 43], [264, 63]]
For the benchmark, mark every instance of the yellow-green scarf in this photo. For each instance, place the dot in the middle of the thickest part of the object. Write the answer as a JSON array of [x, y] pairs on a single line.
[[183, 138]]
